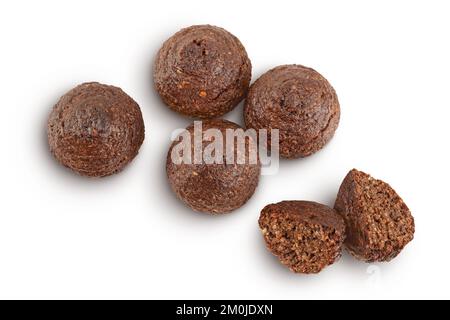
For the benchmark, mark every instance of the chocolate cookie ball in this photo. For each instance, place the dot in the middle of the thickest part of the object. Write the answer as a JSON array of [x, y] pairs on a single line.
[[202, 71], [306, 236], [379, 224], [95, 129], [213, 187], [297, 101]]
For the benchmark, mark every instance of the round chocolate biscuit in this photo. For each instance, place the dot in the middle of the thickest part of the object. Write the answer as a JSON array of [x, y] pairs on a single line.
[[297, 101], [213, 184], [379, 224], [305, 236], [95, 129], [202, 71]]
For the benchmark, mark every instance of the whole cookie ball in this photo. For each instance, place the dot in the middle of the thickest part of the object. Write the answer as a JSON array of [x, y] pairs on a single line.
[[379, 224], [297, 101], [95, 129], [306, 236], [210, 186], [202, 71]]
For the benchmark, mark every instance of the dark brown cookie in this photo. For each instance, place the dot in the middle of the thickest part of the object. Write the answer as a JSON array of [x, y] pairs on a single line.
[[95, 129], [379, 224], [213, 187], [306, 236], [202, 71], [300, 103]]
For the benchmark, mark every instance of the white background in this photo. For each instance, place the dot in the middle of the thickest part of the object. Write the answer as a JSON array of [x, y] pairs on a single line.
[[127, 236]]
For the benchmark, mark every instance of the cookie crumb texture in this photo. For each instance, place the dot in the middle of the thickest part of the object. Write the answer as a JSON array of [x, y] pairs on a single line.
[[202, 71], [305, 236], [297, 101], [379, 224], [214, 188], [95, 129]]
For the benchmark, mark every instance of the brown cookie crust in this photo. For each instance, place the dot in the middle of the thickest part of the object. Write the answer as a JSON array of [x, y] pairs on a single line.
[[95, 129], [202, 71], [305, 236], [379, 224], [300, 103], [213, 188]]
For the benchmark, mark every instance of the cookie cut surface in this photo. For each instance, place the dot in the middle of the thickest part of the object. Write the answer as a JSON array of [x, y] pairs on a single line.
[[379, 224], [305, 236]]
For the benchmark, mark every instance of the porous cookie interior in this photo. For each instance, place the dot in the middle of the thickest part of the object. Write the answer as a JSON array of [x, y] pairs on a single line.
[[302, 246], [385, 220]]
